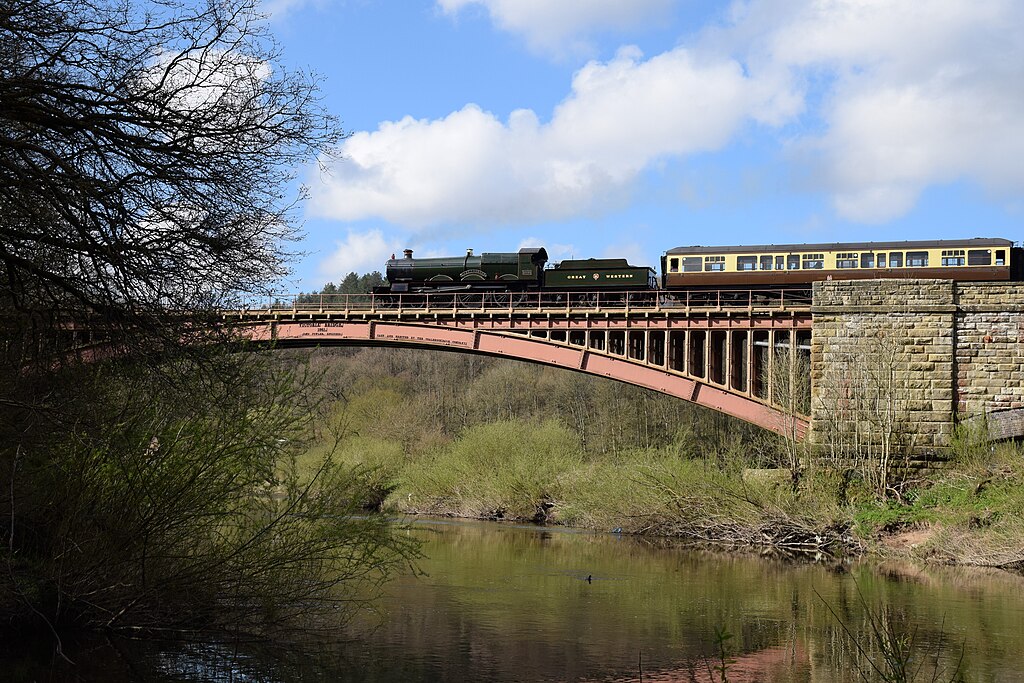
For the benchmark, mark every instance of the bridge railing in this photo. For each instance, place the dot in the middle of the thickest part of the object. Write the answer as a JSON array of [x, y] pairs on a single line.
[[548, 301]]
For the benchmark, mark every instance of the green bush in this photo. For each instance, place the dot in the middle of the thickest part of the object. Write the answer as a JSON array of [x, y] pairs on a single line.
[[173, 498], [512, 470]]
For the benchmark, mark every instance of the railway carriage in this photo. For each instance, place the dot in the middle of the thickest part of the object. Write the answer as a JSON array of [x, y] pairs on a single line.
[[801, 264]]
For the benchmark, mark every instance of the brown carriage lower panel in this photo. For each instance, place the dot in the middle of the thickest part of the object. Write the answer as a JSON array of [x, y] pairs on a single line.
[[760, 278]]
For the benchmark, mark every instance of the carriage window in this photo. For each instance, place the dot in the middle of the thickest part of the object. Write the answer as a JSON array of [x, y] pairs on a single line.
[[793, 262], [953, 257], [714, 263], [814, 261], [766, 263], [746, 262], [780, 263], [846, 260], [896, 259], [673, 265], [979, 257], [917, 259], [867, 260], [691, 264], [880, 261], [1000, 257]]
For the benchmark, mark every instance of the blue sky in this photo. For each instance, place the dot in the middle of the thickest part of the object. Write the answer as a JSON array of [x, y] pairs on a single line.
[[615, 127]]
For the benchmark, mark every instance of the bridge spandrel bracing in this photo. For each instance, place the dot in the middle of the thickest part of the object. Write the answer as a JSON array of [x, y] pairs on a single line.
[[721, 358]]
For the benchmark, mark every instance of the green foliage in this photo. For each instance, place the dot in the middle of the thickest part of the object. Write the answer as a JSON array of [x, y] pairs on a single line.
[[974, 495], [445, 433], [173, 499], [722, 638], [449, 392], [504, 469], [352, 284], [642, 492], [888, 515]]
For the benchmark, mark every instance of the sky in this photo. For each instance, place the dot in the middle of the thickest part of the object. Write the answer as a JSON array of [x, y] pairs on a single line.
[[623, 128]]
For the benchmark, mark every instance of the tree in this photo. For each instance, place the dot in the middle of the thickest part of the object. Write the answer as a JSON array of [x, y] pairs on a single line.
[[370, 280], [143, 507], [864, 404], [147, 153], [791, 391], [350, 285], [360, 284]]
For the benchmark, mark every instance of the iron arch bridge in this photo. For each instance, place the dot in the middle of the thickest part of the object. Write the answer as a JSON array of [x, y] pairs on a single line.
[[716, 349]]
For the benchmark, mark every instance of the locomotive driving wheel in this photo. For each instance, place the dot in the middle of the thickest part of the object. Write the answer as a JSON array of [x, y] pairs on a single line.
[[470, 300], [498, 300]]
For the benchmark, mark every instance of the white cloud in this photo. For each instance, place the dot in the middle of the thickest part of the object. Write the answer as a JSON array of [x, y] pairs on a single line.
[[621, 117], [279, 9], [211, 82], [361, 252], [883, 99], [921, 93], [561, 26], [556, 252]]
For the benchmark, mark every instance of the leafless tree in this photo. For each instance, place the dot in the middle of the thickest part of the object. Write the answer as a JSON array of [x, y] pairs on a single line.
[[864, 406], [148, 151], [791, 390]]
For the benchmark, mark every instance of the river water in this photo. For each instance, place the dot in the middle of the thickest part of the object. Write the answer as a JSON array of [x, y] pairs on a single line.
[[509, 603]]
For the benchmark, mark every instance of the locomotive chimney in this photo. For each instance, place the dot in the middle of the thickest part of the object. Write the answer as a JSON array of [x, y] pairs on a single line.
[[407, 253], [469, 252]]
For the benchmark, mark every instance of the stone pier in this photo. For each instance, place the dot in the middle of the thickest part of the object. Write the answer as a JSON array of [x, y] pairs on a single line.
[[904, 361]]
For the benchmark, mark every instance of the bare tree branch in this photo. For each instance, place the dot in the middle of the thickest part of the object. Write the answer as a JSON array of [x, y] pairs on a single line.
[[148, 152]]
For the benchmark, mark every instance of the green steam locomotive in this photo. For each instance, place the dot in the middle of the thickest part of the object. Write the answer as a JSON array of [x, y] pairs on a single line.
[[521, 271]]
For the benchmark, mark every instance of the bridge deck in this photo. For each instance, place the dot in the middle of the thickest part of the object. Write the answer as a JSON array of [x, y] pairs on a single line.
[[717, 349], [450, 303]]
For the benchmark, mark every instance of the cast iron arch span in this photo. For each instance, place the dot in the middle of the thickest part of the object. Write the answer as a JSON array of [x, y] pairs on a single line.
[[310, 333]]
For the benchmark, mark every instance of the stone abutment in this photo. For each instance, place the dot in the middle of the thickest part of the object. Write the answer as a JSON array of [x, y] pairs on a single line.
[[897, 364]]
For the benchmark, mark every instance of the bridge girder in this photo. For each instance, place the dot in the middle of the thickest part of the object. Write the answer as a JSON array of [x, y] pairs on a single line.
[[525, 345]]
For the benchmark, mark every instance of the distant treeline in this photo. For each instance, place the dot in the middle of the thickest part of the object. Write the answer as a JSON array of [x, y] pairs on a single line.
[[352, 284]]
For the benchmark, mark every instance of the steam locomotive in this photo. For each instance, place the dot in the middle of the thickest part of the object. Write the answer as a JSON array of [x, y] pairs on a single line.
[[512, 272]]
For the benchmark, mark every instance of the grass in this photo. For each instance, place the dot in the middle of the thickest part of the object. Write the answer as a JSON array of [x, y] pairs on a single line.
[[510, 470], [500, 466], [888, 516], [888, 648]]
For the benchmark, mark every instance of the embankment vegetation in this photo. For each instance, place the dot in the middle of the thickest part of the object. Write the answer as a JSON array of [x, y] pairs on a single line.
[[147, 480], [165, 499], [449, 434]]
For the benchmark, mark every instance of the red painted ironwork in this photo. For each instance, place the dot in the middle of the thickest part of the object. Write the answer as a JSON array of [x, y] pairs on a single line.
[[699, 347]]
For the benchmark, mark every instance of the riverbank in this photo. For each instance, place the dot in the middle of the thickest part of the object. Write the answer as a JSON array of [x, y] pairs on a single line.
[[461, 436], [967, 513]]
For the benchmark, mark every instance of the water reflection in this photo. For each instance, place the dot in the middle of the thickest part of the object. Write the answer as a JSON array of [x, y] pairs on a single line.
[[505, 603]]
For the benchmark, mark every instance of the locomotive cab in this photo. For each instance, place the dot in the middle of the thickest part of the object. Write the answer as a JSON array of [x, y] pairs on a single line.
[[532, 262]]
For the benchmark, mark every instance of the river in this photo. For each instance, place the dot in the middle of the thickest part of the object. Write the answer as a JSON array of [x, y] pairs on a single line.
[[497, 602]]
